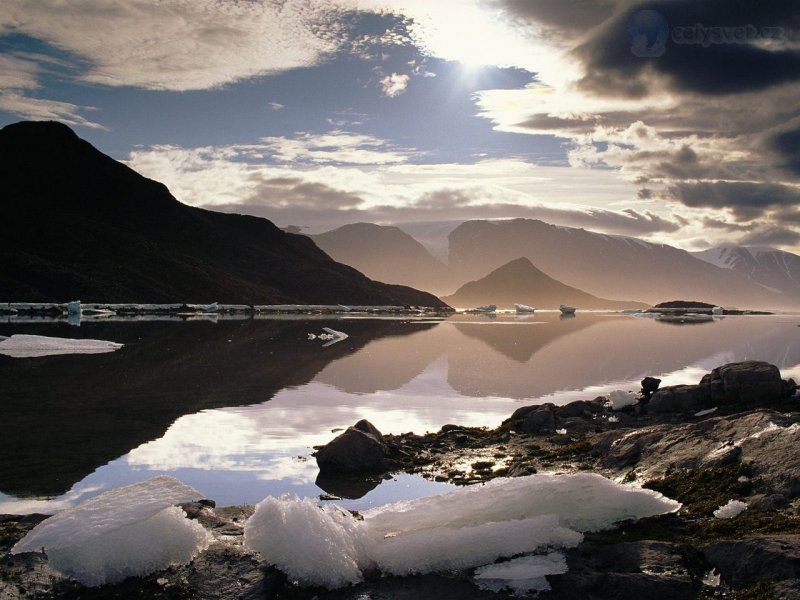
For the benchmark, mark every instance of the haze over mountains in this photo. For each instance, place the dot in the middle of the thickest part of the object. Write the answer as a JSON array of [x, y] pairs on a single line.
[[80, 225], [606, 266]]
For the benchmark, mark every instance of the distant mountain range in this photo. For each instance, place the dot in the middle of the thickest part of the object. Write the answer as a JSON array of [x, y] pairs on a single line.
[[606, 266], [79, 225], [384, 253], [773, 269], [520, 282]]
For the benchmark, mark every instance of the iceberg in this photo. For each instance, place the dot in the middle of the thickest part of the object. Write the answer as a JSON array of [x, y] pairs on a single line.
[[32, 346], [731, 510], [620, 399], [132, 530], [469, 527]]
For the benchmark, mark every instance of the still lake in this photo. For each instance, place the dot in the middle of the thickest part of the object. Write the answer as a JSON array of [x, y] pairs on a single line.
[[234, 407]]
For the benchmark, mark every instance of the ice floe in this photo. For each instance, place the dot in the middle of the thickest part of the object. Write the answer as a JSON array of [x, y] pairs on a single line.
[[521, 575], [620, 399], [465, 528], [132, 530], [31, 346]]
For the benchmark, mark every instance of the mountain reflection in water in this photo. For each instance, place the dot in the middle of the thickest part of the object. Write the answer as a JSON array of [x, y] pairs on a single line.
[[234, 408]]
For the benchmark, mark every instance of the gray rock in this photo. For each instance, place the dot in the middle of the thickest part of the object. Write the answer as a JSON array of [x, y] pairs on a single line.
[[680, 399], [576, 425], [746, 562], [360, 449], [749, 381], [523, 411], [650, 385], [579, 408], [539, 421]]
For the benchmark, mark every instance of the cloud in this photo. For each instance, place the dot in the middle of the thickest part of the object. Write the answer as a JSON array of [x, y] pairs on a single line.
[[40, 109], [275, 105], [394, 84], [181, 44], [787, 144], [333, 147], [747, 200], [18, 73]]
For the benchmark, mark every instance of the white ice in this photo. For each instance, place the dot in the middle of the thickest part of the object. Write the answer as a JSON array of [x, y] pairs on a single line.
[[465, 528], [731, 510], [132, 530], [521, 575], [620, 399], [32, 346]]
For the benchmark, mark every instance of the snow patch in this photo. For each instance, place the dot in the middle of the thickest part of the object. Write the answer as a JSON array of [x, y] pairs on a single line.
[[132, 530], [731, 510], [33, 346]]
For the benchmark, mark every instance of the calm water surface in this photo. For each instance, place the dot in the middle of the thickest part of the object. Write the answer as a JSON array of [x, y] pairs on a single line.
[[235, 407]]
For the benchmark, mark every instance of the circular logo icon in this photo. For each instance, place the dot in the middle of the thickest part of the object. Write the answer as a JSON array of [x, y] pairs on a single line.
[[648, 32]]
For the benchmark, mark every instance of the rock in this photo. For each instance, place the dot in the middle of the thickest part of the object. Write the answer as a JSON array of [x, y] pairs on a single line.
[[649, 387], [360, 449], [746, 562], [680, 398], [539, 421], [576, 425], [521, 469], [523, 411], [579, 408], [747, 382]]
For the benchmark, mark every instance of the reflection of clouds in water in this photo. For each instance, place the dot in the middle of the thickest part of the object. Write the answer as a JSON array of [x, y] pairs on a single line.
[[13, 506]]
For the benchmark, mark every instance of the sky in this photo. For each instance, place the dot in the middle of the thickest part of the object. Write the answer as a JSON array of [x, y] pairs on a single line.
[[677, 121]]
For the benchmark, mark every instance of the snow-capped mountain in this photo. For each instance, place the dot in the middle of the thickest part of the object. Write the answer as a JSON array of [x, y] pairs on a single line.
[[774, 269]]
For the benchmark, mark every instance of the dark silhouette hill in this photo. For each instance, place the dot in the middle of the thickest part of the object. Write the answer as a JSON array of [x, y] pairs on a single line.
[[385, 253], [604, 265], [520, 282], [79, 225]]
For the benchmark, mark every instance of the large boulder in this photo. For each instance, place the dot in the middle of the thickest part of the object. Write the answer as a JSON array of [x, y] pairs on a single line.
[[681, 399], [749, 381], [360, 449]]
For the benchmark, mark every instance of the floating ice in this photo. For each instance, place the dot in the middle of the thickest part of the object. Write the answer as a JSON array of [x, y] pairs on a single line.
[[561, 431], [712, 578], [620, 399], [730, 510], [32, 346], [465, 528], [521, 575], [132, 530]]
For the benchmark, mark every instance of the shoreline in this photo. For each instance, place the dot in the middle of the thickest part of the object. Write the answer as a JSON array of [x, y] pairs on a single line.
[[685, 457]]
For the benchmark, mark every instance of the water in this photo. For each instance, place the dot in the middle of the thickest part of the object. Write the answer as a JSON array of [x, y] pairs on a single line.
[[234, 408]]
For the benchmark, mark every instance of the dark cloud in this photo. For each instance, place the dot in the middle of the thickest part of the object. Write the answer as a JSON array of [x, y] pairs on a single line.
[[296, 193], [572, 15], [787, 144], [771, 236], [704, 52], [644, 194], [747, 200]]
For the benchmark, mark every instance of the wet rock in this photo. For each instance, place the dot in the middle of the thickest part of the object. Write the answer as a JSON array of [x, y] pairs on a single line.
[[680, 399], [521, 469], [360, 449], [522, 412], [576, 425]]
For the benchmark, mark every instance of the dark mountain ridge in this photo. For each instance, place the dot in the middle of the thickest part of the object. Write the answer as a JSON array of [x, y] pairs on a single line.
[[79, 225]]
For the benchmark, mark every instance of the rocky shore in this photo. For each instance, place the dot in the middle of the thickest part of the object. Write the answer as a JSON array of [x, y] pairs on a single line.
[[733, 436]]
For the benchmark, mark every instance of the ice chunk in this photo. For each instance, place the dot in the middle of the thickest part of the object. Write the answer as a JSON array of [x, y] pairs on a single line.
[[31, 346], [712, 578], [582, 501], [313, 545], [465, 528], [730, 510], [443, 548], [620, 399], [132, 530], [521, 575], [703, 413]]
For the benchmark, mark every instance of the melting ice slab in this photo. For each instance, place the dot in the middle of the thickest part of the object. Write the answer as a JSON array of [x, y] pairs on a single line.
[[132, 530], [465, 528], [31, 346]]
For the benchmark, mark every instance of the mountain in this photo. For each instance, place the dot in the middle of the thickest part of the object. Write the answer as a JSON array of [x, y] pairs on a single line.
[[604, 265], [520, 282], [79, 225], [773, 269], [385, 253]]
